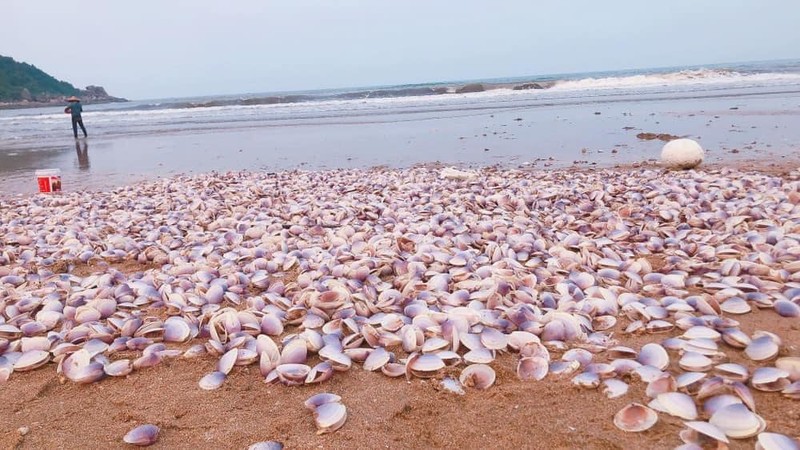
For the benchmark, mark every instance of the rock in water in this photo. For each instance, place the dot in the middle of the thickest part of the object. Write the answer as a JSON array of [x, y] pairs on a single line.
[[682, 154]]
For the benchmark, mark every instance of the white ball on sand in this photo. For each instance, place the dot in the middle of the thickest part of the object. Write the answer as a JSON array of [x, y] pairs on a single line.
[[682, 154]]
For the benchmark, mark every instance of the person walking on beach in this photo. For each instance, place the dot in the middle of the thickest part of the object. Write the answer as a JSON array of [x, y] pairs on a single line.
[[75, 109]]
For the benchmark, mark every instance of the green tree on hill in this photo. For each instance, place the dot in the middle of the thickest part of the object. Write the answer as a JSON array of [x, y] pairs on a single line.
[[22, 81]]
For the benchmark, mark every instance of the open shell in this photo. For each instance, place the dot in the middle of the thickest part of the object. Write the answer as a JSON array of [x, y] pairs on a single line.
[[761, 349], [654, 355], [212, 381], [635, 418], [738, 422], [533, 368], [31, 359], [479, 376], [329, 417], [775, 441], [677, 404]]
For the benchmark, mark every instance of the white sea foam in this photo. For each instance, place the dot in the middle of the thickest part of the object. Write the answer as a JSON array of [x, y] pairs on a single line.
[[682, 78]]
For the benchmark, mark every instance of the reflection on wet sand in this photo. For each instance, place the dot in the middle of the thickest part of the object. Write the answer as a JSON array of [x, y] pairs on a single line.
[[82, 148]]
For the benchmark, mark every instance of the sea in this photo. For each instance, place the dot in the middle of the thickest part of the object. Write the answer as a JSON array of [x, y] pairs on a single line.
[[566, 118]]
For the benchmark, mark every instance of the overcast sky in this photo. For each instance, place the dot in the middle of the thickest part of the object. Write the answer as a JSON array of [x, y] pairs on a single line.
[[168, 48]]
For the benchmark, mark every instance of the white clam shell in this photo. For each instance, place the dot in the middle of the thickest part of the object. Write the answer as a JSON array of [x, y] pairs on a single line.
[[329, 417], [761, 349], [228, 360], [212, 381], [479, 376], [708, 430], [377, 359], [142, 436], [320, 399], [31, 359], [119, 368], [776, 441], [479, 356], [790, 364], [176, 330], [678, 404], [654, 355], [614, 388], [635, 418], [738, 422], [533, 368]]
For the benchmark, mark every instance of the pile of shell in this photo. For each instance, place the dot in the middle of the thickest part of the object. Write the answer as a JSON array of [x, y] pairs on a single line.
[[409, 274]]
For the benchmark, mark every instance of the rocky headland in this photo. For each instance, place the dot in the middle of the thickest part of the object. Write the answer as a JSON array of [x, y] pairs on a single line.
[[23, 85]]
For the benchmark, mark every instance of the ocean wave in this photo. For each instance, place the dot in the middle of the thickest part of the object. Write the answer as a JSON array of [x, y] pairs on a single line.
[[679, 78]]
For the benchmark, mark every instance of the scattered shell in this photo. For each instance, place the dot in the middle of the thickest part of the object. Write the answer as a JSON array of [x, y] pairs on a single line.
[[775, 441], [266, 445], [31, 360], [614, 388], [708, 430], [770, 379], [329, 417], [738, 422], [791, 364], [143, 435], [786, 308], [479, 376], [761, 349], [320, 399], [635, 418], [654, 355], [533, 368], [677, 404], [212, 381]]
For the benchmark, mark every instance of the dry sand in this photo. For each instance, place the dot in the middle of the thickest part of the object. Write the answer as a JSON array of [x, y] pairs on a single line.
[[382, 412]]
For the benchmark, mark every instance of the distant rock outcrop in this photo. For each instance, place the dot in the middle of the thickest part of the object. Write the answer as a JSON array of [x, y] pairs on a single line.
[[526, 86], [97, 94], [474, 87]]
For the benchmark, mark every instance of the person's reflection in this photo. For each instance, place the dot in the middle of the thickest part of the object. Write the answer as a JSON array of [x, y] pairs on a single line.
[[82, 147]]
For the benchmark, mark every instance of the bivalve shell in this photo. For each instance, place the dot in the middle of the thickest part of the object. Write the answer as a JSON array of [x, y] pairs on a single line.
[[695, 362], [709, 430], [731, 371], [786, 308], [212, 381], [775, 441], [761, 349], [738, 422], [678, 405], [614, 388], [31, 360], [770, 379], [479, 376], [534, 368], [329, 417], [654, 355], [635, 418], [142, 435], [790, 364]]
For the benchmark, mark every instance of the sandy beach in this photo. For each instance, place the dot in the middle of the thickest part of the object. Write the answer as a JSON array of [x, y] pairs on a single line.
[[519, 130], [506, 240]]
